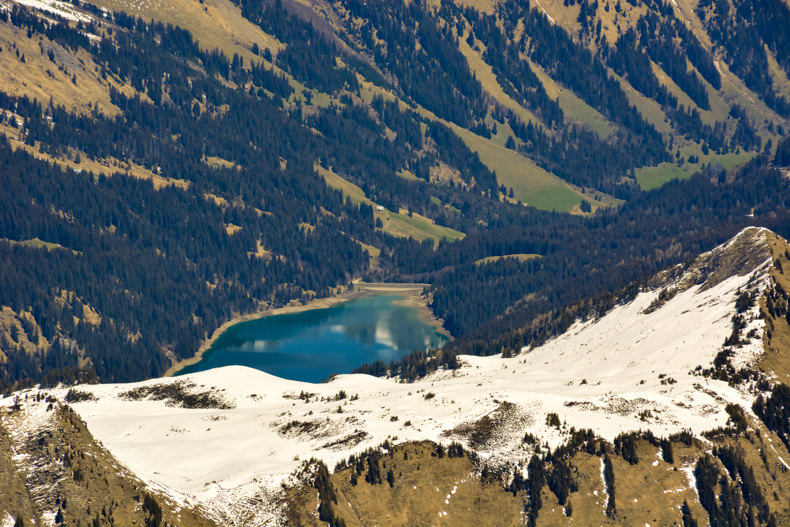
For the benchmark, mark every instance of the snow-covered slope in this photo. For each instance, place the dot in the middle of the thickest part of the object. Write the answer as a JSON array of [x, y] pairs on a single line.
[[633, 368]]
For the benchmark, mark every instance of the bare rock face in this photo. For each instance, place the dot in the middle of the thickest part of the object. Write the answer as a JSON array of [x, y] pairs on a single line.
[[747, 252]]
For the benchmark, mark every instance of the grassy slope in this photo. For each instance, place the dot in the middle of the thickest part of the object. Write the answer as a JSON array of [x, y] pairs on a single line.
[[652, 486], [776, 360], [395, 223], [573, 107], [648, 492], [419, 495], [520, 257], [488, 80], [719, 109], [63, 467], [733, 89], [653, 177], [649, 109], [780, 78], [530, 183], [44, 80], [673, 88], [29, 344], [214, 23], [217, 24], [30, 78]]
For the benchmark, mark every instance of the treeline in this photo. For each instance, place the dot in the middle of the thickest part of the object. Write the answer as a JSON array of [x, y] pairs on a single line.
[[775, 411], [552, 47], [163, 268], [742, 30], [737, 500], [158, 266], [649, 233], [663, 39], [309, 55], [409, 42], [660, 37], [508, 304], [513, 73], [578, 154], [574, 153]]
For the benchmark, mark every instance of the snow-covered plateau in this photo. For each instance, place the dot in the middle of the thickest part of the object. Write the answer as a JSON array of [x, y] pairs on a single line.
[[632, 368]]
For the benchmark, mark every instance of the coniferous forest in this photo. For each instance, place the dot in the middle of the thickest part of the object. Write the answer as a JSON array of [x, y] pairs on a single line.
[[195, 188]]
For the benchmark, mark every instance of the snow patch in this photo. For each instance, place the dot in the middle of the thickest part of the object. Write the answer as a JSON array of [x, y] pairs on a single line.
[[56, 7], [778, 456], [603, 374], [692, 479], [545, 12], [603, 484]]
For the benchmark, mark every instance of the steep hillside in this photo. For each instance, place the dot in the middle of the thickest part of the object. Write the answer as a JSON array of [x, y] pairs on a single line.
[[53, 472], [171, 165], [628, 415], [657, 76], [671, 61]]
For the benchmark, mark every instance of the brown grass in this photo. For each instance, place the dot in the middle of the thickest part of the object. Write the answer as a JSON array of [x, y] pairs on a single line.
[[488, 79], [772, 476], [65, 464], [399, 223], [655, 489], [776, 359], [218, 162], [41, 79], [9, 319], [659, 491], [215, 24], [422, 484], [651, 491], [108, 166]]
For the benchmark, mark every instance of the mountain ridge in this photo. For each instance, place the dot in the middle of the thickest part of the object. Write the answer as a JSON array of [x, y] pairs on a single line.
[[171, 165], [633, 368]]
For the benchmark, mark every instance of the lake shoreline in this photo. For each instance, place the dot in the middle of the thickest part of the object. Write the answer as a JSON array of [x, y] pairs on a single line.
[[410, 296]]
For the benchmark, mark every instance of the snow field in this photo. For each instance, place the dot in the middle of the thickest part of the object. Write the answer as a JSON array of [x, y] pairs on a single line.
[[626, 371]]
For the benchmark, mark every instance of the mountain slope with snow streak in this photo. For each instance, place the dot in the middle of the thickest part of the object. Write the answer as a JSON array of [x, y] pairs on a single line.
[[244, 432]]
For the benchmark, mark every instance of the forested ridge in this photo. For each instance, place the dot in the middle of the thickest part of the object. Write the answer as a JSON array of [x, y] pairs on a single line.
[[127, 236], [586, 266]]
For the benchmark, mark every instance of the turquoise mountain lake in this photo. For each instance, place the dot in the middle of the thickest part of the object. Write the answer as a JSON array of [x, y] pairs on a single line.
[[311, 345]]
